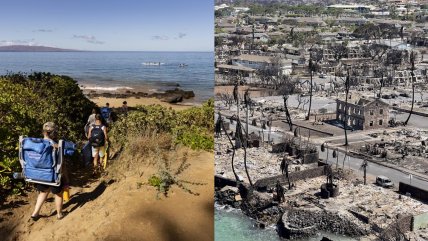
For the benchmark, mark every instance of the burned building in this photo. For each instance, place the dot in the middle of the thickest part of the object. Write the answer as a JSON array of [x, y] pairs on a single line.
[[363, 114]]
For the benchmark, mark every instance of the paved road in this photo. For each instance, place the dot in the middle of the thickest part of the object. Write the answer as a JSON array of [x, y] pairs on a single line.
[[353, 163]]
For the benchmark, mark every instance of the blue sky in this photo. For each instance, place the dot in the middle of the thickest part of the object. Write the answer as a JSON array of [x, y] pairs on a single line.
[[122, 25]]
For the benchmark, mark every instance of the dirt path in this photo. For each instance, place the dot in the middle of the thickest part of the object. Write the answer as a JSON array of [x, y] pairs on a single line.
[[105, 209]]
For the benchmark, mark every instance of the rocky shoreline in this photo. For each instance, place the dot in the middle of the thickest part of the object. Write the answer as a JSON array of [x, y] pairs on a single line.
[[291, 223], [172, 96]]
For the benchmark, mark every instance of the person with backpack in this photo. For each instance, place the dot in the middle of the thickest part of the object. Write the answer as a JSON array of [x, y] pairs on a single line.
[[91, 121], [106, 113], [49, 133], [98, 139]]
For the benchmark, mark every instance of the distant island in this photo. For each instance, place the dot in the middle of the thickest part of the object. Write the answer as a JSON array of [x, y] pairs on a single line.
[[26, 48]]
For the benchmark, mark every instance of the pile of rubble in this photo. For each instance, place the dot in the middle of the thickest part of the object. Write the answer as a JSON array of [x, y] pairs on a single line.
[[406, 148], [377, 205], [375, 208], [326, 220], [261, 162]]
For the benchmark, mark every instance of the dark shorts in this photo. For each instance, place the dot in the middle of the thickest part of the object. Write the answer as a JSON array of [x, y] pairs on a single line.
[[45, 188]]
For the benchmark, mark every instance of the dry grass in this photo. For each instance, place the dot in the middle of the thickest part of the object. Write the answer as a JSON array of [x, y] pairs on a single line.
[[142, 150]]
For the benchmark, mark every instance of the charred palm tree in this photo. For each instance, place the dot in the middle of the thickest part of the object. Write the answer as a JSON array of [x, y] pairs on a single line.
[[247, 102], [311, 67], [363, 167], [233, 149], [412, 62], [287, 113], [347, 86], [238, 123], [314, 57], [218, 125]]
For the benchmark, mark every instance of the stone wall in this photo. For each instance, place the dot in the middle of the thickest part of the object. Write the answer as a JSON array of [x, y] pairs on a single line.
[[300, 223], [322, 117], [293, 150], [294, 176], [290, 231], [415, 192]]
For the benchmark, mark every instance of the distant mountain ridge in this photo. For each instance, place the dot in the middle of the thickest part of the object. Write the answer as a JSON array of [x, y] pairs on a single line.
[[26, 48]]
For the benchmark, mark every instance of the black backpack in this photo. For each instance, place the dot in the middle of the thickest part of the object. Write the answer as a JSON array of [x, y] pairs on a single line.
[[97, 138]]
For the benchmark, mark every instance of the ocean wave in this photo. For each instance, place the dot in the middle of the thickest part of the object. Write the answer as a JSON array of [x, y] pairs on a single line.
[[225, 208], [114, 88]]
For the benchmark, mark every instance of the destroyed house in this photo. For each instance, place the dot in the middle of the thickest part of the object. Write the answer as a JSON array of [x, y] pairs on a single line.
[[363, 114]]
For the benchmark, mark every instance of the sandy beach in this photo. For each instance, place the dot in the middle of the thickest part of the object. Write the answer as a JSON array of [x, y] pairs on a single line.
[[134, 97], [133, 102]]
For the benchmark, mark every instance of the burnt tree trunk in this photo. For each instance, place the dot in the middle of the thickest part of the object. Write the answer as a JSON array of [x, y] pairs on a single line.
[[287, 113], [412, 60], [310, 98], [346, 108], [233, 154]]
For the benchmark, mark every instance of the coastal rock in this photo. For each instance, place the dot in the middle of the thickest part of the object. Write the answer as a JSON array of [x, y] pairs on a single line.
[[185, 94], [299, 223], [228, 196], [173, 99], [171, 96], [261, 206], [174, 96]]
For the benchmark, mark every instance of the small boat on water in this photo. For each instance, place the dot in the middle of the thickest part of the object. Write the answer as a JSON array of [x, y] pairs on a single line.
[[153, 63], [182, 65]]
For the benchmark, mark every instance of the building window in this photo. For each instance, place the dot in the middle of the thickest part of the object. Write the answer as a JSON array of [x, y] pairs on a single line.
[[380, 122], [381, 111], [371, 112], [371, 123]]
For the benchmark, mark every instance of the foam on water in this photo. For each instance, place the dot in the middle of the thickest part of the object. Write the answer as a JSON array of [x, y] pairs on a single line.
[[116, 88]]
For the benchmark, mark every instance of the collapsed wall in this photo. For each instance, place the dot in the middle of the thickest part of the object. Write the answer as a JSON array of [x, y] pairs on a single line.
[[301, 223]]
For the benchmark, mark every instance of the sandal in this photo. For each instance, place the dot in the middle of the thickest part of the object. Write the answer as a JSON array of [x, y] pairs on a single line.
[[63, 214]]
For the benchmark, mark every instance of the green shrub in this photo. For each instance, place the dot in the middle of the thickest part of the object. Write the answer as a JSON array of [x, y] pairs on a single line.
[[28, 101], [194, 137], [192, 127]]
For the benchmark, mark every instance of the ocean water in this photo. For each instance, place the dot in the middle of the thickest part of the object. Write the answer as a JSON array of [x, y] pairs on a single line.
[[231, 224], [111, 70]]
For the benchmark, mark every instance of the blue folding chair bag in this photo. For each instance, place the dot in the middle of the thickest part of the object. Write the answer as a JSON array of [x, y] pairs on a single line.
[[69, 148], [40, 160], [105, 112], [38, 153]]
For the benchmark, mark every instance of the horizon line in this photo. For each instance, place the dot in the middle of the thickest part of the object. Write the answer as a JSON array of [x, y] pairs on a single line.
[[61, 49], [72, 50]]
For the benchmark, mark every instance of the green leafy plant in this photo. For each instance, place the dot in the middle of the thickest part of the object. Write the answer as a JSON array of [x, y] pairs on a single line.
[[167, 177]]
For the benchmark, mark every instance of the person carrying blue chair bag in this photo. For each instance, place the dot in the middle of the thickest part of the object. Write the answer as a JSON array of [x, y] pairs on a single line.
[[69, 149], [106, 112], [42, 160]]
